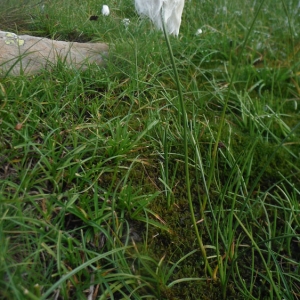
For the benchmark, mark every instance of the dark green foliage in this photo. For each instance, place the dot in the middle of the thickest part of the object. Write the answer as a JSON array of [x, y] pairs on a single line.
[[92, 177]]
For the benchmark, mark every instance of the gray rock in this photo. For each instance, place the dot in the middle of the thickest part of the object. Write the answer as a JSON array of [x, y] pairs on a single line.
[[25, 54]]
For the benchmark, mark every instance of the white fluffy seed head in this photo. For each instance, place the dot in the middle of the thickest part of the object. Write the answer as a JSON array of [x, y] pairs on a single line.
[[126, 22], [105, 10], [171, 11], [199, 31]]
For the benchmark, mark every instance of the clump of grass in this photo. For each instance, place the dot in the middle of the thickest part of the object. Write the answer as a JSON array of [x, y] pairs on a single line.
[[93, 193], [15, 15]]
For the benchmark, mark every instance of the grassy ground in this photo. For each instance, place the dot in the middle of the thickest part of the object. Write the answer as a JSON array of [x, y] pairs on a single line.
[[114, 185]]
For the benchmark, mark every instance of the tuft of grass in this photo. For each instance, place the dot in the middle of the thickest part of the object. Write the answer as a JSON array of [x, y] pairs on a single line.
[[95, 201]]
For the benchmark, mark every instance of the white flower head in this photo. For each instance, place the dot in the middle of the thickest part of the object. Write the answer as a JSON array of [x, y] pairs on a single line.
[[105, 10], [170, 10], [126, 22], [199, 31]]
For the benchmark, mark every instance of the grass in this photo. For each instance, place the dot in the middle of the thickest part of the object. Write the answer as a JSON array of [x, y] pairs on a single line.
[[95, 199]]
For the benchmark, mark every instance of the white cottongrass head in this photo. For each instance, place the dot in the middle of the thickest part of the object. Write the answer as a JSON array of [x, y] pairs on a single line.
[[199, 31], [105, 10], [126, 22], [171, 11]]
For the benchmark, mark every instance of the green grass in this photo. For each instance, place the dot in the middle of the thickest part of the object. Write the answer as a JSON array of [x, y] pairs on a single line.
[[94, 192]]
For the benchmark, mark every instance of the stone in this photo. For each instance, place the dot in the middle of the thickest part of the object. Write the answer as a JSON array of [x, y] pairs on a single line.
[[29, 55]]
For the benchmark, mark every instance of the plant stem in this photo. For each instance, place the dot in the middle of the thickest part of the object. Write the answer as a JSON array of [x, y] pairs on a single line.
[[222, 119], [186, 154]]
